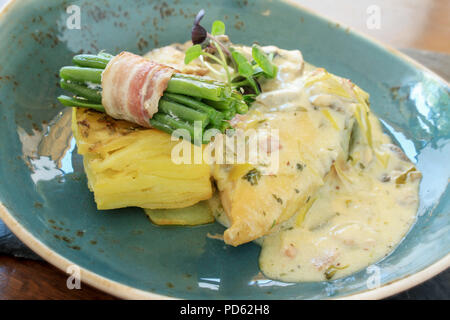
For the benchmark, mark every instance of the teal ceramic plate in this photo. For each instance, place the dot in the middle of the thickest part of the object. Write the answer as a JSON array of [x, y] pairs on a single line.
[[43, 186]]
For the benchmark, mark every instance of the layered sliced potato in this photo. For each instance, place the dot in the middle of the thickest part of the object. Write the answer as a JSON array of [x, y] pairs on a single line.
[[127, 165]]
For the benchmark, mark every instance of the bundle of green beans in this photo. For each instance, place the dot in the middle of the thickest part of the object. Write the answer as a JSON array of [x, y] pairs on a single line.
[[187, 98]]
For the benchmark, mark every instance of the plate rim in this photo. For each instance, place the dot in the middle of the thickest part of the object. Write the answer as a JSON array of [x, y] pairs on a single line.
[[127, 292], [112, 287]]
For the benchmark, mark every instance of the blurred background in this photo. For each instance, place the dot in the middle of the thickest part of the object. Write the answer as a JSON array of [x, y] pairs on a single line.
[[418, 24]]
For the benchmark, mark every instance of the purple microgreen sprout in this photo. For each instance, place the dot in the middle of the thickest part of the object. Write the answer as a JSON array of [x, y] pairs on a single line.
[[198, 33]]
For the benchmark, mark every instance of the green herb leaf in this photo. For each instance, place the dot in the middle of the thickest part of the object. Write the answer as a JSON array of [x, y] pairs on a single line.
[[254, 85], [245, 69], [270, 70], [278, 199], [218, 28], [273, 224], [252, 176], [257, 71], [249, 98], [193, 53]]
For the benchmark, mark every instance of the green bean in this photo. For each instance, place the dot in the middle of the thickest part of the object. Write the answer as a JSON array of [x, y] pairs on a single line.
[[162, 126], [82, 91], [105, 55], [177, 110], [241, 107], [82, 103], [165, 119], [91, 61], [221, 105], [224, 126], [215, 116], [197, 78], [80, 74], [229, 114], [195, 88]]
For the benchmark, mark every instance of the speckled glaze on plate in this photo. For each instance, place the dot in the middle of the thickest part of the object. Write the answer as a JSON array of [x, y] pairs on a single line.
[[43, 187]]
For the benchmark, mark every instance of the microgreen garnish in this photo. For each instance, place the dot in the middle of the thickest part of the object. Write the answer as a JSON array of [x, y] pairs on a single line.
[[263, 61], [249, 98], [252, 176], [218, 28], [196, 51], [198, 33], [241, 73], [193, 53], [245, 69]]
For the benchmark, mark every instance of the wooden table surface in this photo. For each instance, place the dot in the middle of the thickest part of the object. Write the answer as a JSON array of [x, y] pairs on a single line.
[[419, 24]]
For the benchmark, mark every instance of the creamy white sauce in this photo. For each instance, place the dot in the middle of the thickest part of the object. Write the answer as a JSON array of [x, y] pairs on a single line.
[[354, 222], [358, 216], [367, 202]]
